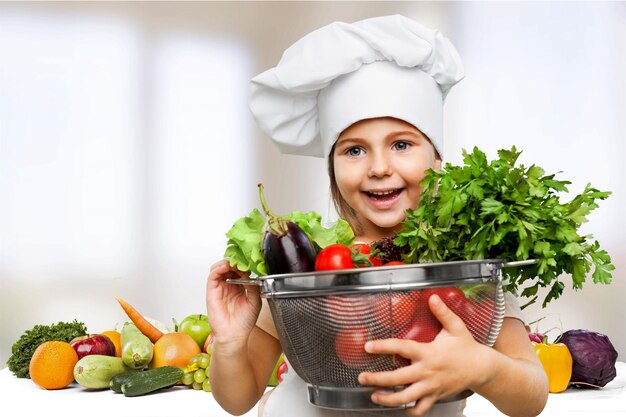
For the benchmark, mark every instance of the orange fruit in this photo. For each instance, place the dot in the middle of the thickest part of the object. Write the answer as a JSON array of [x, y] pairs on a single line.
[[116, 339], [174, 349], [52, 365]]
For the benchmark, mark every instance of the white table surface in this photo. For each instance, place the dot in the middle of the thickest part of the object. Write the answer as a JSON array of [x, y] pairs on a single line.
[[25, 398], [609, 401]]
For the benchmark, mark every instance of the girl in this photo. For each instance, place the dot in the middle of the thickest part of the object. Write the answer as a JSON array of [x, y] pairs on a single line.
[[368, 97]]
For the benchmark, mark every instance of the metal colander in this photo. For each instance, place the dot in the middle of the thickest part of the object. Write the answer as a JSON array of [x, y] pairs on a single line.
[[323, 319]]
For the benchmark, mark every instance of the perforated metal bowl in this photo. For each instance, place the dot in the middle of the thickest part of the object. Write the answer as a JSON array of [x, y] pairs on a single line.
[[324, 318]]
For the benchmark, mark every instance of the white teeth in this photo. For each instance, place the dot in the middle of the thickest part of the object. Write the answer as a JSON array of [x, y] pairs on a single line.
[[382, 192]]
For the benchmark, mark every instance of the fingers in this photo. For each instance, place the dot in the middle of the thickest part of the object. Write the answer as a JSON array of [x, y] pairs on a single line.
[[401, 376], [448, 319], [220, 264], [253, 291], [422, 406], [406, 348], [416, 392], [217, 289], [222, 270], [217, 270]]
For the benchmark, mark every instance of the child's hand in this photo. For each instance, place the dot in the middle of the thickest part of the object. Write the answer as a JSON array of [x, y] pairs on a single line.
[[444, 367], [232, 309]]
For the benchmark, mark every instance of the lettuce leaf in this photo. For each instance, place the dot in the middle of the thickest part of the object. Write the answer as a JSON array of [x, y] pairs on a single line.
[[311, 223], [244, 248]]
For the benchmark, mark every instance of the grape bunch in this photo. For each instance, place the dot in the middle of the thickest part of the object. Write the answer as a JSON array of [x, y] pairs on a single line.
[[196, 374]]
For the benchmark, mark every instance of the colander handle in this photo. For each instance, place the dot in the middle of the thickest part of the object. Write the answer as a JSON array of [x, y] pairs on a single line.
[[514, 264], [244, 281]]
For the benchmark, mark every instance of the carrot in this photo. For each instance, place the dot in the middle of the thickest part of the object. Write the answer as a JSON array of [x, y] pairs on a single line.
[[142, 324]]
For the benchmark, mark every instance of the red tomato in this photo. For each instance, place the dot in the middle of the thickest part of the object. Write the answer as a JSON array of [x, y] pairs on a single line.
[[348, 310], [332, 257], [397, 310], [390, 263], [486, 306], [424, 326], [475, 316], [364, 249], [481, 314], [282, 368], [350, 346], [453, 297], [423, 329], [339, 308]]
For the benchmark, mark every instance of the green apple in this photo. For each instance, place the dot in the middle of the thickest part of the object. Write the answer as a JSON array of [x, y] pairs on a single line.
[[197, 326]]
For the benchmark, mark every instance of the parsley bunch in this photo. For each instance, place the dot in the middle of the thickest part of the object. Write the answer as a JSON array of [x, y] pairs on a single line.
[[23, 349], [500, 210]]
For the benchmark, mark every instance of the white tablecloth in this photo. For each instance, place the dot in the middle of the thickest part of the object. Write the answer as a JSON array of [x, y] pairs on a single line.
[[21, 397], [25, 398], [609, 401]]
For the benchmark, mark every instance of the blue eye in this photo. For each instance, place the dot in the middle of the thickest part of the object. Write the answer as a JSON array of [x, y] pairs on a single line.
[[401, 146], [354, 151]]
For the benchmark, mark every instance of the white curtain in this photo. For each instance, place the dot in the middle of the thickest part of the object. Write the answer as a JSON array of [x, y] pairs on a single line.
[[123, 156]]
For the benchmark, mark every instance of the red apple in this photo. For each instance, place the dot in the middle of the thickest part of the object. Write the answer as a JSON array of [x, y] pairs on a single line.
[[207, 344], [94, 344], [282, 368]]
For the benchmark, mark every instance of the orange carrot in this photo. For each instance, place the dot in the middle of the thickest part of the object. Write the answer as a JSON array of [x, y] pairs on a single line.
[[142, 324]]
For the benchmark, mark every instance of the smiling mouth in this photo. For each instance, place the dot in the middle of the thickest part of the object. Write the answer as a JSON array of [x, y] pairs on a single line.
[[383, 195]]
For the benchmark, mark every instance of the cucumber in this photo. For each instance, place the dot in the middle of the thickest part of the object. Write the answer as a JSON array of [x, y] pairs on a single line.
[[119, 379], [137, 349], [96, 371], [145, 382]]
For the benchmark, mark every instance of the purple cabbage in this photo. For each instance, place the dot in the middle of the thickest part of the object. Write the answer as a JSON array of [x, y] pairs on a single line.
[[593, 357]]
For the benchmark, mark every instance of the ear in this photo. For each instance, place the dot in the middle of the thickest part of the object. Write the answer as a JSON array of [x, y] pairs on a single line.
[[437, 164]]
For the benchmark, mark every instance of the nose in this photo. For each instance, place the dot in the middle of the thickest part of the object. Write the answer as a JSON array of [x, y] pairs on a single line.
[[380, 167]]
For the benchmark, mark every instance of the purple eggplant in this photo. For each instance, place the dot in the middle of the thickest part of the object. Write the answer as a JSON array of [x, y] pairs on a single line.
[[286, 247]]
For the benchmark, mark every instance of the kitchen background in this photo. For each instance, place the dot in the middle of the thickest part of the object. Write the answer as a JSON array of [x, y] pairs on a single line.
[[127, 149]]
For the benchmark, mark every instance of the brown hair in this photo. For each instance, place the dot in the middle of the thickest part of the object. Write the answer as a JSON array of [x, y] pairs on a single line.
[[341, 205]]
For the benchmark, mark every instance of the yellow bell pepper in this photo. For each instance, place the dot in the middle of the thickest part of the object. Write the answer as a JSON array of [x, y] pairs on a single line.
[[556, 360]]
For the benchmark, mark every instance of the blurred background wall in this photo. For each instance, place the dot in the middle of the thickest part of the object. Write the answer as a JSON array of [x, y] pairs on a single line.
[[127, 149]]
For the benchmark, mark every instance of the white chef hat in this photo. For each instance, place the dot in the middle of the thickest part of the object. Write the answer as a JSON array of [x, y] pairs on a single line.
[[388, 66]]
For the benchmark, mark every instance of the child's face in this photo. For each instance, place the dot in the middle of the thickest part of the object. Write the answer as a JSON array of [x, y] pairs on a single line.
[[378, 165]]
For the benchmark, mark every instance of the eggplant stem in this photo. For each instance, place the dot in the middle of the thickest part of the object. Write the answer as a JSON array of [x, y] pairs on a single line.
[[275, 224], [266, 209]]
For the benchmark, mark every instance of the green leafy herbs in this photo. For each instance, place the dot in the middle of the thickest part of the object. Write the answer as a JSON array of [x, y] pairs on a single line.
[[23, 349], [500, 210], [245, 239], [244, 248]]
